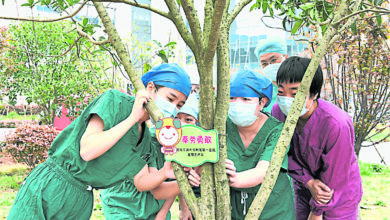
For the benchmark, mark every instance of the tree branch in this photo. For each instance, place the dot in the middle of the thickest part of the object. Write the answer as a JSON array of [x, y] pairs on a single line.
[[208, 17], [355, 7], [47, 20], [269, 26], [383, 11], [138, 5], [219, 8], [180, 25], [237, 10], [193, 21], [60, 55], [83, 34]]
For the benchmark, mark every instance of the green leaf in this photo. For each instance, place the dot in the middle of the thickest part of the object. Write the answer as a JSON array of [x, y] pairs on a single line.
[[378, 2], [26, 4], [307, 6], [170, 44], [296, 26], [147, 67], [265, 6], [163, 56], [378, 19], [2, 1], [178, 2], [354, 28], [284, 23], [271, 12], [85, 21], [257, 5], [311, 13], [323, 28]]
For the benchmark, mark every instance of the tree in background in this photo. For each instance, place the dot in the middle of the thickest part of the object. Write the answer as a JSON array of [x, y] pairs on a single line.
[[56, 69], [7, 65], [358, 68]]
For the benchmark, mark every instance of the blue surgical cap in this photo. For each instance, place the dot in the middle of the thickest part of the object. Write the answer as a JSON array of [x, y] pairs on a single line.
[[248, 83], [191, 107], [169, 75], [271, 45]]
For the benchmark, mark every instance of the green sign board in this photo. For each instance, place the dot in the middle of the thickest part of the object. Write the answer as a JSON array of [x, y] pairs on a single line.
[[195, 147]]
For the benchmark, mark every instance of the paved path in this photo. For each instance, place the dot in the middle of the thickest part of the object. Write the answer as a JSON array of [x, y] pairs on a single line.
[[369, 154], [5, 131]]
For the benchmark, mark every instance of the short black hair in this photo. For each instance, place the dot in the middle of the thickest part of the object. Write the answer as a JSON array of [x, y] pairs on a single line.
[[292, 71]]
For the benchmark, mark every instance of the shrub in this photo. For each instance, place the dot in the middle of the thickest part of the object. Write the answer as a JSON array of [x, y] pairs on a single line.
[[29, 143]]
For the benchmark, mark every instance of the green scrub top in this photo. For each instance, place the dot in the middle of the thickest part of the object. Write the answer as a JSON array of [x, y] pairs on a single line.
[[124, 201], [122, 162], [280, 204], [273, 100]]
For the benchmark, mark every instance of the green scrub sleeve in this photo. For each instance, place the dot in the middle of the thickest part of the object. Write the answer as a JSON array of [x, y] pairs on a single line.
[[105, 107]]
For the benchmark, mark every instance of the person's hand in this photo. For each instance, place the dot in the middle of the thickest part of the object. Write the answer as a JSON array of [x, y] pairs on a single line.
[[320, 192], [312, 216], [168, 170], [231, 172], [193, 178], [141, 99], [185, 214]]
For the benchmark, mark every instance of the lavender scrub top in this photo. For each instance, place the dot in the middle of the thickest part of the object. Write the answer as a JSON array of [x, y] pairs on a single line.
[[324, 150]]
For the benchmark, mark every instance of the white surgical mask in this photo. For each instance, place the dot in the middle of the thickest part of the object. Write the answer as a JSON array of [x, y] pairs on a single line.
[[242, 114], [285, 104], [168, 109], [271, 71]]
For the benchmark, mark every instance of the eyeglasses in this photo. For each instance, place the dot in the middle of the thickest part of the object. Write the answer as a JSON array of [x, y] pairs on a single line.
[[272, 61], [195, 90]]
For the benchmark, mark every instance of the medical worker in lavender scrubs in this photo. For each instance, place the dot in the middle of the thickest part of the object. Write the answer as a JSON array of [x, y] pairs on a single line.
[[322, 161]]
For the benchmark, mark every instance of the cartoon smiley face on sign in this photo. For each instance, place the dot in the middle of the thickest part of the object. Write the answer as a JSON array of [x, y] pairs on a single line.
[[168, 133]]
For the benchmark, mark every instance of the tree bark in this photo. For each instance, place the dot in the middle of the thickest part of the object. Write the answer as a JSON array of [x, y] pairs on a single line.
[[222, 106]]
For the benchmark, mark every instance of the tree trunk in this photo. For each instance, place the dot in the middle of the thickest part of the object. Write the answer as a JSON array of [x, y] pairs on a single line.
[[222, 106], [358, 146]]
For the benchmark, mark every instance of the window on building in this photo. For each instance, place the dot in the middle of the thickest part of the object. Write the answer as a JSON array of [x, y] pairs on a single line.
[[141, 19]]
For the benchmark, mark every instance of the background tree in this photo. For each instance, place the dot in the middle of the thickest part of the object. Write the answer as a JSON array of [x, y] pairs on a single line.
[[7, 65], [358, 67], [54, 69]]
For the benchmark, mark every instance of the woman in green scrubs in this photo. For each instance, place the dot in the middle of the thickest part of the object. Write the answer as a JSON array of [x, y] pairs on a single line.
[[106, 145], [124, 201], [251, 138]]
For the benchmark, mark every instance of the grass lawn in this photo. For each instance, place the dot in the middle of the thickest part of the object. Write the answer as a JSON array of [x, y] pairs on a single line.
[[375, 203], [16, 116], [381, 135]]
